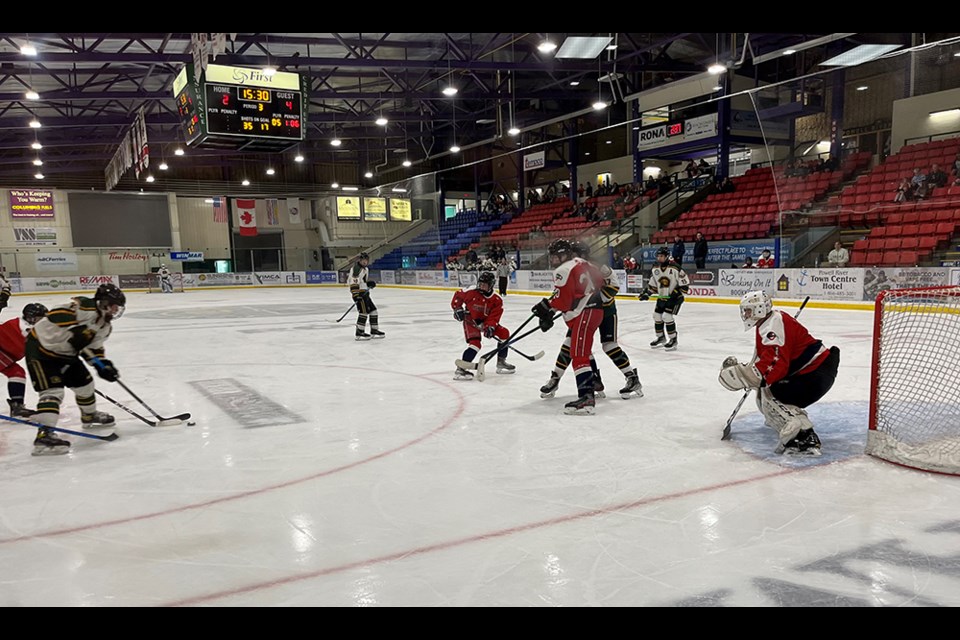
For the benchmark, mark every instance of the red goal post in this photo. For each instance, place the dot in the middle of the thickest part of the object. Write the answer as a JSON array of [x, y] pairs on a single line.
[[915, 379]]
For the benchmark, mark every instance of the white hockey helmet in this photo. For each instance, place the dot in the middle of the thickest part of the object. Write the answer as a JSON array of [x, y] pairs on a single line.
[[754, 307]]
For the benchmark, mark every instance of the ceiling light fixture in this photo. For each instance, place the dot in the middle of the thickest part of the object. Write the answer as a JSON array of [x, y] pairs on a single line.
[[407, 163], [32, 95], [336, 142], [269, 71], [381, 121], [149, 178], [351, 188], [398, 190], [546, 46], [335, 185], [38, 176], [859, 55], [38, 162], [245, 182], [574, 83], [178, 151], [163, 166], [270, 171], [584, 47], [862, 87], [450, 90], [298, 158], [789, 52], [28, 49], [455, 148], [513, 131], [36, 145], [35, 124], [368, 174], [599, 105], [716, 68]]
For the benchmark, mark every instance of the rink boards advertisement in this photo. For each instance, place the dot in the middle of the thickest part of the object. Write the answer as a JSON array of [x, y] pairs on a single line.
[[820, 284]]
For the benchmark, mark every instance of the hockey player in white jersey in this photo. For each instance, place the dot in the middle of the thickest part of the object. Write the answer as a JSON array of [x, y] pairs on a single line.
[[166, 279], [360, 286], [669, 283]]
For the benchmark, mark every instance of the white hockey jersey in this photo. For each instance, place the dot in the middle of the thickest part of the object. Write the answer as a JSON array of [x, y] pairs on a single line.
[[358, 277], [54, 330], [667, 279]]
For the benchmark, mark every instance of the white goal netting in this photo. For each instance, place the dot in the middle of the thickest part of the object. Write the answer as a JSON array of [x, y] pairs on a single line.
[[175, 284], [915, 382]]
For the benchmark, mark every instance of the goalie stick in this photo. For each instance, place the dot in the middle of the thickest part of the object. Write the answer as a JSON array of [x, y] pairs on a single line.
[[107, 438], [726, 428]]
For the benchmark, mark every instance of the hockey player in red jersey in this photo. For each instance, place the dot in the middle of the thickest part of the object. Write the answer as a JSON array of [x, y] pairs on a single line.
[[480, 310], [13, 339], [791, 370], [576, 294]]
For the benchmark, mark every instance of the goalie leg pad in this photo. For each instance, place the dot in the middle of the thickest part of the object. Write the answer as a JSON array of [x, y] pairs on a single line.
[[787, 419]]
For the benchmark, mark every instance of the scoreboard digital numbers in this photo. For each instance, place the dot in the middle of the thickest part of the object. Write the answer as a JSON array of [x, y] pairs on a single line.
[[674, 129], [243, 105]]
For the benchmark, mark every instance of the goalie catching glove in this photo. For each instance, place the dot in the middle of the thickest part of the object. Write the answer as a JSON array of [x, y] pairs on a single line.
[[737, 376]]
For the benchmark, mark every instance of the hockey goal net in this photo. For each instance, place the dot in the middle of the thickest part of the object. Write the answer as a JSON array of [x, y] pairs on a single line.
[[915, 379], [156, 286]]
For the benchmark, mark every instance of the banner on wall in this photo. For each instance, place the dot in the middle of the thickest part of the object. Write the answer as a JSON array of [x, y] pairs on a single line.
[[321, 277], [400, 210], [348, 207], [877, 280], [737, 282], [430, 278], [534, 161], [34, 236], [31, 203], [246, 216], [375, 209], [134, 281], [540, 280], [56, 262], [273, 212], [293, 210], [387, 277], [52, 284], [820, 284], [216, 279], [186, 256], [92, 282]]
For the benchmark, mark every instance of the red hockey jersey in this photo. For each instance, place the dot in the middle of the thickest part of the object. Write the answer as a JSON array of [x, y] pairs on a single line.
[[484, 311], [575, 281], [785, 348], [12, 339]]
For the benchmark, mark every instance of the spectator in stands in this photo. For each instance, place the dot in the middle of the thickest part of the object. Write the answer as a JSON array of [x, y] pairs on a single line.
[[904, 191], [936, 178], [918, 181], [747, 264], [832, 164], [678, 250], [651, 184], [839, 257], [791, 169], [589, 189], [727, 186], [470, 259], [691, 170], [630, 264], [704, 166], [617, 261], [665, 185], [956, 165], [766, 260], [580, 193], [453, 264], [700, 250]]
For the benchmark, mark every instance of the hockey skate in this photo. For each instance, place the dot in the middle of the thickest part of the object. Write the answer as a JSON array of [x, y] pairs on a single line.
[[805, 443], [377, 334], [462, 374], [659, 342], [598, 387], [633, 386], [362, 335], [671, 344], [17, 410], [46, 444], [505, 367], [582, 406], [96, 420], [550, 389]]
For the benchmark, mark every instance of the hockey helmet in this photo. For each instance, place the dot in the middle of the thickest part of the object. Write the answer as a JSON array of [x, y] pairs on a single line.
[[580, 249], [33, 312], [754, 307], [486, 278], [110, 300], [662, 251]]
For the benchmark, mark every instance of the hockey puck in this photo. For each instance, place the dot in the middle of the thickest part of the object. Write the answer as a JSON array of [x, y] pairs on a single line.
[[191, 423]]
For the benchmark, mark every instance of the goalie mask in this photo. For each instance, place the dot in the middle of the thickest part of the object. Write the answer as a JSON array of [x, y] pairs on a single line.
[[754, 307], [110, 301], [485, 284]]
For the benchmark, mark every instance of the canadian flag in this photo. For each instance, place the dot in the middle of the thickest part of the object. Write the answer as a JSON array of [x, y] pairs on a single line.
[[247, 214]]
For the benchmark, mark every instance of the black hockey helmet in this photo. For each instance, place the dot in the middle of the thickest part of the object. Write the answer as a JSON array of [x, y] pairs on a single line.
[[33, 312], [488, 279], [363, 256], [580, 249], [559, 246], [663, 251], [109, 295]]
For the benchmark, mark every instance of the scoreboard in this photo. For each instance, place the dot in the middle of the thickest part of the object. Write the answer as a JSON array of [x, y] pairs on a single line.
[[237, 107]]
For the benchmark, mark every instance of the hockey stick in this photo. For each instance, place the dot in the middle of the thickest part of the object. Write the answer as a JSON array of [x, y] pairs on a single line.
[[726, 428], [161, 421], [478, 364], [131, 411], [536, 356], [107, 438], [352, 306]]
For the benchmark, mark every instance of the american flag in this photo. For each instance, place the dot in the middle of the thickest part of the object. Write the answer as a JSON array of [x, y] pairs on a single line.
[[220, 209]]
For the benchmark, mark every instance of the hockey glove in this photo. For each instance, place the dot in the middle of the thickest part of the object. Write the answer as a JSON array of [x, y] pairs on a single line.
[[738, 376], [644, 296], [106, 370], [460, 314], [371, 284], [546, 323], [81, 338], [542, 309], [490, 331]]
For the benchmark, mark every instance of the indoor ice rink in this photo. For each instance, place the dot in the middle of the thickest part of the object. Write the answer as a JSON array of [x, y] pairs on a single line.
[[323, 471]]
